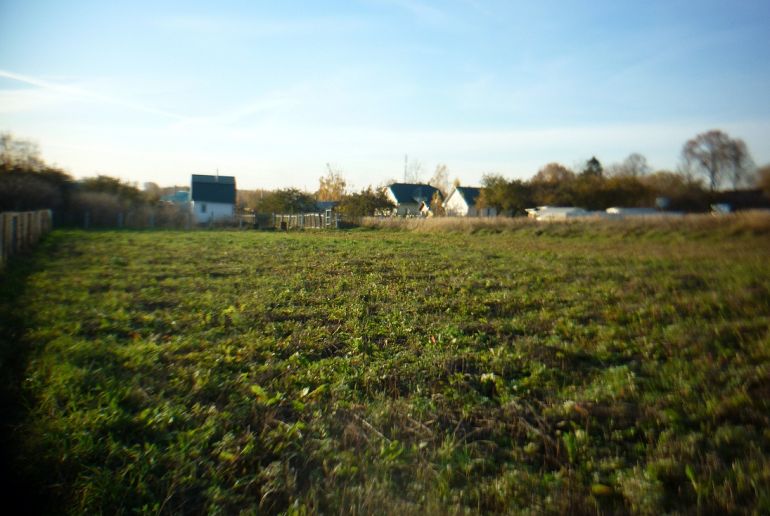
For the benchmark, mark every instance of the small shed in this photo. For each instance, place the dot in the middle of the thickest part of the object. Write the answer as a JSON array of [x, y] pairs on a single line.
[[212, 198]]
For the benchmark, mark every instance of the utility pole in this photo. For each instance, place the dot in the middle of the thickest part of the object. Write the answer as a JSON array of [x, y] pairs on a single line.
[[406, 160]]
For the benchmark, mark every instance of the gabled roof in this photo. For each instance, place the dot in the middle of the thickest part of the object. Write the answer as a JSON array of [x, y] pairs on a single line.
[[213, 188], [469, 194], [407, 193]]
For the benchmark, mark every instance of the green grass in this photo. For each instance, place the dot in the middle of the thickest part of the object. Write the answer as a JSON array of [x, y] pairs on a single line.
[[539, 370]]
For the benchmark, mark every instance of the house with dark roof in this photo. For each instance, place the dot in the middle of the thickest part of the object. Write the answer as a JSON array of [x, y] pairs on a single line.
[[410, 198], [212, 198], [461, 202]]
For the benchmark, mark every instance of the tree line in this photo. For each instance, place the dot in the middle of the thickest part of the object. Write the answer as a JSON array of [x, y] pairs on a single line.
[[332, 188], [27, 183], [709, 161]]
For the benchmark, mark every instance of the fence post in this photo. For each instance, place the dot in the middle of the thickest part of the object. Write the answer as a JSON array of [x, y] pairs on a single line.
[[34, 227], [14, 233], [23, 231], [20, 231], [86, 219], [2, 240]]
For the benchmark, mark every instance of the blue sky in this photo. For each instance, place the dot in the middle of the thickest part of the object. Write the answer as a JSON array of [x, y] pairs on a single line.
[[273, 91]]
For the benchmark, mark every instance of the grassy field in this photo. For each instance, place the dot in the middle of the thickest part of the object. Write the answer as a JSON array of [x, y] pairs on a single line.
[[561, 368]]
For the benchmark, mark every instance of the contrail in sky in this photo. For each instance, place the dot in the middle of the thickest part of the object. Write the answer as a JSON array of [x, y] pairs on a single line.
[[73, 91]]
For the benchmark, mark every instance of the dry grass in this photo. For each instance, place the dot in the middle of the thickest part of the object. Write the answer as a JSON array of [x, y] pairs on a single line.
[[753, 222]]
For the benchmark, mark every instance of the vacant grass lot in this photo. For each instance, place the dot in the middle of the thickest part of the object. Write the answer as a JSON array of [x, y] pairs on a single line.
[[547, 369]]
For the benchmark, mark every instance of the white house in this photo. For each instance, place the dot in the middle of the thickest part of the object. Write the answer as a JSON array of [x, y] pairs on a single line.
[[410, 198], [212, 198], [461, 202]]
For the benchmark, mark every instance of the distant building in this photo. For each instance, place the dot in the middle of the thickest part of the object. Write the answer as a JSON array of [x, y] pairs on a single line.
[[461, 202], [323, 206], [179, 198], [410, 198], [212, 198]]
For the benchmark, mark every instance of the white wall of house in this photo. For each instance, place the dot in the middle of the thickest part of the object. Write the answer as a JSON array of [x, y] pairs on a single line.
[[456, 206], [484, 212], [411, 208], [390, 196], [204, 211]]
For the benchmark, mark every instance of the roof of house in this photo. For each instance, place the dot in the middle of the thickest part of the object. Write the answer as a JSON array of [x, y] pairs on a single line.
[[469, 194], [177, 197], [213, 188], [326, 205], [412, 193]]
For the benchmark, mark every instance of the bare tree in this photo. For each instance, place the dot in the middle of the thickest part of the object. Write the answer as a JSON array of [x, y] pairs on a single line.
[[635, 165], [718, 157], [332, 186], [414, 172], [19, 153], [440, 179]]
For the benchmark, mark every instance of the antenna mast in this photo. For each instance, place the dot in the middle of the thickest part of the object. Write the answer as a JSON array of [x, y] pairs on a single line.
[[406, 159]]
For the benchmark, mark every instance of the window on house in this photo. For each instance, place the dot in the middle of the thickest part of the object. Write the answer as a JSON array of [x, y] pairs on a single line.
[[203, 207]]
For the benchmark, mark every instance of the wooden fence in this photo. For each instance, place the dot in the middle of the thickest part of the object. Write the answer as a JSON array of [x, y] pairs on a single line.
[[324, 220], [21, 230]]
